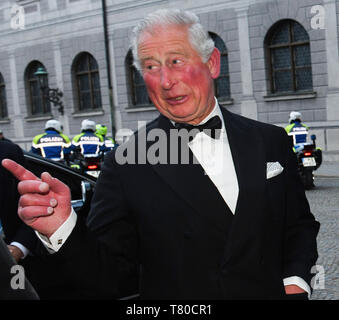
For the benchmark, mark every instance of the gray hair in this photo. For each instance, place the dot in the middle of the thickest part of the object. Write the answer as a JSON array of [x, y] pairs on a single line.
[[198, 37]]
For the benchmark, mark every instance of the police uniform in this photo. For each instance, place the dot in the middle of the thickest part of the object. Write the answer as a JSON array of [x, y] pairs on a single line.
[[89, 143], [299, 133], [51, 144]]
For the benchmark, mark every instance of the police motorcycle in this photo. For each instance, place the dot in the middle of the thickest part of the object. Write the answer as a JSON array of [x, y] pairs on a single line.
[[88, 164], [309, 159], [308, 155], [92, 165], [87, 149]]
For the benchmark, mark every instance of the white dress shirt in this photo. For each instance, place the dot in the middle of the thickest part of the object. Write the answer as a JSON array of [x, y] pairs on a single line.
[[22, 248], [215, 156]]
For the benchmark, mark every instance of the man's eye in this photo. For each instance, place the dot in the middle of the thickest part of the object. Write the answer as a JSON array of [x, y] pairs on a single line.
[[150, 67], [176, 61]]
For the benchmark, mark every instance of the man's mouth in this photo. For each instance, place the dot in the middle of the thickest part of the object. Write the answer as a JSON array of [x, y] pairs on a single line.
[[176, 100]]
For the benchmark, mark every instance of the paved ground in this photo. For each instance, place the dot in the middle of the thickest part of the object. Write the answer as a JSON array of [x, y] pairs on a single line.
[[328, 169], [324, 202]]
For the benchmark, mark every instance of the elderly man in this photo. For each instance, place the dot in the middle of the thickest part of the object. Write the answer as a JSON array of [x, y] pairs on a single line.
[[232, 222]]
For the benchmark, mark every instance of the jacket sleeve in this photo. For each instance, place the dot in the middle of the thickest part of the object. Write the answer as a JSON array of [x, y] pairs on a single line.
[[100, 256], [301, 228]]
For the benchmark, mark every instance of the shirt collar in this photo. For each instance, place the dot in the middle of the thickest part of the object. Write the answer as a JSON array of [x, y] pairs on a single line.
[[215, 112]]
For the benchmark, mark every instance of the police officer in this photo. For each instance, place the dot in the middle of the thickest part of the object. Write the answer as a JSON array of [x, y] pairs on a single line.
[[52, 144], [88, 142], [109, 142], [297, 130]]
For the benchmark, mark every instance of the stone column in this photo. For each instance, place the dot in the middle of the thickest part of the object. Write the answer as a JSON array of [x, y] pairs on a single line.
[[60, 84], [17, 117], [117, 113], [331, 36], [248, 104]]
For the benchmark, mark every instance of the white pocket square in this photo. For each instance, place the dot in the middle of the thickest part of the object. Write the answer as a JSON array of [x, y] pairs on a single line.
[[273, 169]]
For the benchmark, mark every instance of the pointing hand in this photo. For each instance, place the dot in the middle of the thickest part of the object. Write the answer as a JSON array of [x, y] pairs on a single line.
[[45, 203]]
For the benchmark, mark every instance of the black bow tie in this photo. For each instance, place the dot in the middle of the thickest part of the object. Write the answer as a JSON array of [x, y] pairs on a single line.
[[211, 127]]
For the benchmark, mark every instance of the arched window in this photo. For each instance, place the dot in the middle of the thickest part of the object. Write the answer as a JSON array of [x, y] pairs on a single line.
[[288, 58], [37, 103], [87, 82], [3, 101], [136, 83], [222, 83]]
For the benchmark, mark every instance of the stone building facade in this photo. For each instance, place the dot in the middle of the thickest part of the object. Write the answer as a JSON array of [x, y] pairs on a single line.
[[55, 33]]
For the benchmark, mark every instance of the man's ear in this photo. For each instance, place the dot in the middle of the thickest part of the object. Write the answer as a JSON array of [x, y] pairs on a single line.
[[213, 63]]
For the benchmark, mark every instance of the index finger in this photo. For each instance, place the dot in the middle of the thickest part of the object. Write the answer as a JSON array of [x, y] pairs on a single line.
[[18, 171]]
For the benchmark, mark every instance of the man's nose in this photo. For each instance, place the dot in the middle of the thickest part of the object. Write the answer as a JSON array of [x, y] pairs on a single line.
[[166, 78]]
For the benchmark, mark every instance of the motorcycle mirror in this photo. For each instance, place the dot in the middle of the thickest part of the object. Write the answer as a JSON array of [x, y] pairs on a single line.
[[313, 137]]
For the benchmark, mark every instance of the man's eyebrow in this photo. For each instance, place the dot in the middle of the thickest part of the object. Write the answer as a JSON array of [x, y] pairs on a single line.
[[150, 57], [142, 60], [177, 53], [168, 53], [147, 58]]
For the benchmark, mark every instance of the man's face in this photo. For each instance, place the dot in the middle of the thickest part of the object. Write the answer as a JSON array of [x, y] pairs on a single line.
[[178, 82]]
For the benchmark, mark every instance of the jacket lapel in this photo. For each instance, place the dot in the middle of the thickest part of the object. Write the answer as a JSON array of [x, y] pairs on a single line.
[[249, 157], [193, 186]]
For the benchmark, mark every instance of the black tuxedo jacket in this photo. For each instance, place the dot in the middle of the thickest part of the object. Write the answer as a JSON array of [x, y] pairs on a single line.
[[164, 229], [14, 228]]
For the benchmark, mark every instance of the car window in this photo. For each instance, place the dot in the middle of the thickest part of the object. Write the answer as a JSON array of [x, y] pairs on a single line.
[[71, 179]]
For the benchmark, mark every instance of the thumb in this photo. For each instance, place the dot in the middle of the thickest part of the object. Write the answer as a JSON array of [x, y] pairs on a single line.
[[55, 184]]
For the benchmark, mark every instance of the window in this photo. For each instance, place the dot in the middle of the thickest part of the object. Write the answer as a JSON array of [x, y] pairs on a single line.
[[289, 58], [87, 82], [222, 83], [30, 6], [37, 103], [3, 102], [136, 83]]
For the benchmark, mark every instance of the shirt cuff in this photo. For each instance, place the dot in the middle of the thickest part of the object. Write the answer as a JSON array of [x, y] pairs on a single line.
[[22, 248], [298, 282], [59, 237]]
